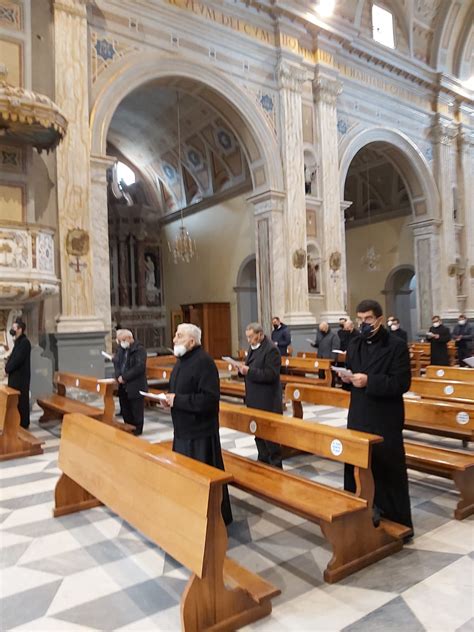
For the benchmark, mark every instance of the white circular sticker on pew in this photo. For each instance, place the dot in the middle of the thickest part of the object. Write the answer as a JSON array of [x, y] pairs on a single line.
[[287, 362], [316, 364], [440, 372], [98, 388], [304, 356], [77, 382], [449, 390], [296, 394], [253, 426], [462, 418], [164, 375], [229, 367], [336, 447]]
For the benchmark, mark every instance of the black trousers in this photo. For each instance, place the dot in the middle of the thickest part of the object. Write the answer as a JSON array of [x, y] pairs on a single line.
[[132, 409], [24, 408], [269, 452]]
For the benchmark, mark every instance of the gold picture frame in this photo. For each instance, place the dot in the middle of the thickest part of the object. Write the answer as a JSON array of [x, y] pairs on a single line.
[[176, 319]]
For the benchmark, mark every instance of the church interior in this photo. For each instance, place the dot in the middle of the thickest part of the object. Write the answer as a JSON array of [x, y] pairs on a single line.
[[220, 163]]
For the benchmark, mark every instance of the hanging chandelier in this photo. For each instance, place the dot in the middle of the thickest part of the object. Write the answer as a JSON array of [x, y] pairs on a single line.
[[371, 258], [183, 247]]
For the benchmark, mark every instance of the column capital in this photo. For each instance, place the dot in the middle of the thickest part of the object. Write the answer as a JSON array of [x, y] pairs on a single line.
[[465, 138], [268, 201], [425, 227], [327, 89], [73, 7], [291, 76], [443, 132]]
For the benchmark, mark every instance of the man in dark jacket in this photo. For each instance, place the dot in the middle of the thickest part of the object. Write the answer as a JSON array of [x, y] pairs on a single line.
[[439, 336], [462, 334], [398, 331], [130, 372], [281, 336], [193, 397], [326, 341], [262, 386], [18, 370], [380, 364]]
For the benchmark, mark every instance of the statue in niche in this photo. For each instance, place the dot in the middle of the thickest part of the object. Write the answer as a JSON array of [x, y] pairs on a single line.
[[152, 291], [313, 273]]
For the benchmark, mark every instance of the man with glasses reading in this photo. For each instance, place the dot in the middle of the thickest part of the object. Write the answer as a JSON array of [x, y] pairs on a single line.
[[380, 365]]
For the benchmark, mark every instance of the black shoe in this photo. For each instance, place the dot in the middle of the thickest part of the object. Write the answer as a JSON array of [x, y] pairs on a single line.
[[137, 432], [409, 537]]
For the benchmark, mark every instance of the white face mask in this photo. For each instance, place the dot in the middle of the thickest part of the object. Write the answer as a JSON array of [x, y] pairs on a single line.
[[389, 323], [179, 350], [253, 347], [124, 344], [394, 327], [436, 324], [462, 322]]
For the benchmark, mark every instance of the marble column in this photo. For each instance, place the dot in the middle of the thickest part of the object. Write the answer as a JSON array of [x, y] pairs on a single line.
[[100, 237], [291, 77], [426, 236], [326, 89], [123, 267], [466, 195], [270, 245], [78, 311], [443, 135]]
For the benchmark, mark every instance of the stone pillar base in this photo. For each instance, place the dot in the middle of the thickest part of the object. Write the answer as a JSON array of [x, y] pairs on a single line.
[[332, 317], [80, 352], [75, 324], [299, 318]]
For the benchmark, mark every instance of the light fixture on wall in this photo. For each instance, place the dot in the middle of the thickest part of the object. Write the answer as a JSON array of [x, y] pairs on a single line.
[[183, 247], [371, 257]]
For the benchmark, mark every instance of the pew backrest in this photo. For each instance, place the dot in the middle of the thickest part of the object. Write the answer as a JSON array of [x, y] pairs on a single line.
[[443, 389], [159, 373], [308, 365], [8, 401], [103, 388], [459, 374], [159, 361], [164, 495]]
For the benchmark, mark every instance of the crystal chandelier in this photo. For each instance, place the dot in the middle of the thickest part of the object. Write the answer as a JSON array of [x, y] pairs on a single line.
[[183, 247], [371, 258]]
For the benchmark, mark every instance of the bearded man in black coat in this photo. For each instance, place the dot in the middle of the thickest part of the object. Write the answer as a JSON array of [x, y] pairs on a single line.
[[380, 364], [18, 369], [262, 385], [193, 397]]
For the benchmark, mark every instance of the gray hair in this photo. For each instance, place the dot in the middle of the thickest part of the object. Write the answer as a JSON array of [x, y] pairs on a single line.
[[124, 332], [255, 327], [192, 330]]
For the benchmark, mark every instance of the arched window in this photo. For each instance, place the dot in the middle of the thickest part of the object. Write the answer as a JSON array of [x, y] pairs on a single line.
[[125, 175]]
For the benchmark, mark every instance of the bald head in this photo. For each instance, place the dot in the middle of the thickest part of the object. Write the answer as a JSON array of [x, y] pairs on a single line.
[[324, 327]]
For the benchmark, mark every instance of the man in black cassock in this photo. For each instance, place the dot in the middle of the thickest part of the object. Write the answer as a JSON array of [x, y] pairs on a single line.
[[439, 336], [18, 370], [398, 331], [262, 386], [130, 373], [380, 364], [193, 397]]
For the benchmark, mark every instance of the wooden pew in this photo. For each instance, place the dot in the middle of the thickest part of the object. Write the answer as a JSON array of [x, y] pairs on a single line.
[[15, 441], [416, 356], [312, 355], [159, 361], [444, 390], [425, 349], [459, 374], [301, 366], [457, 466], [226, 368], [345, 519], [176, 503], [56, 405]]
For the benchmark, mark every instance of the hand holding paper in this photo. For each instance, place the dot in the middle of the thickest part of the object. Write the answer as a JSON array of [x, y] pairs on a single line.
[[106, 355]]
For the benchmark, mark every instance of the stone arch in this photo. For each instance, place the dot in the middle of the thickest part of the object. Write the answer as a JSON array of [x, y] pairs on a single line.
[[406, 158], [400, 298], [246, 291], [240, 111]]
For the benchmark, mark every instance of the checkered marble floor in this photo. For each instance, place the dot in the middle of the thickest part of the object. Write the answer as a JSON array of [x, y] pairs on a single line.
[[92, 571]]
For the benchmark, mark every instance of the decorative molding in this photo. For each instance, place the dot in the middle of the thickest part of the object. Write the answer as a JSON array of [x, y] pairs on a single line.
[[291, 76], [11, 15], [105, 51], [443, 133], [327, 90], [267, 202], [77, 8]]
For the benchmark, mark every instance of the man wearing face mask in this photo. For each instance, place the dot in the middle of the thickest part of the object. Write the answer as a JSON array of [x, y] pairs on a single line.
[[262, 386], [326, 341], [130, 373], [398, 331], [281, 336], [462, 334], [380, 364], [193, 398], [439, 336], [18, 370]]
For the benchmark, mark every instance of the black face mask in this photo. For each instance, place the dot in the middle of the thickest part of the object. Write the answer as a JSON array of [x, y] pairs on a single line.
[[366, 330], [275, 326], [12, 332]]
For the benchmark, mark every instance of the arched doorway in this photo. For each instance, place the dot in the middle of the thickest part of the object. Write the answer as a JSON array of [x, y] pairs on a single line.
[[400, 297], [242, 126], [246, 290], [393, 219]]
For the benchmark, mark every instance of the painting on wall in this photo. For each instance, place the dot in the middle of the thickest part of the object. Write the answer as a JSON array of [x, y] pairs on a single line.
[[176, 319], [311, 223]]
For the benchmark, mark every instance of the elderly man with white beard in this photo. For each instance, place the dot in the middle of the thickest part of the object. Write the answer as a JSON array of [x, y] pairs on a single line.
[[193, 397]]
